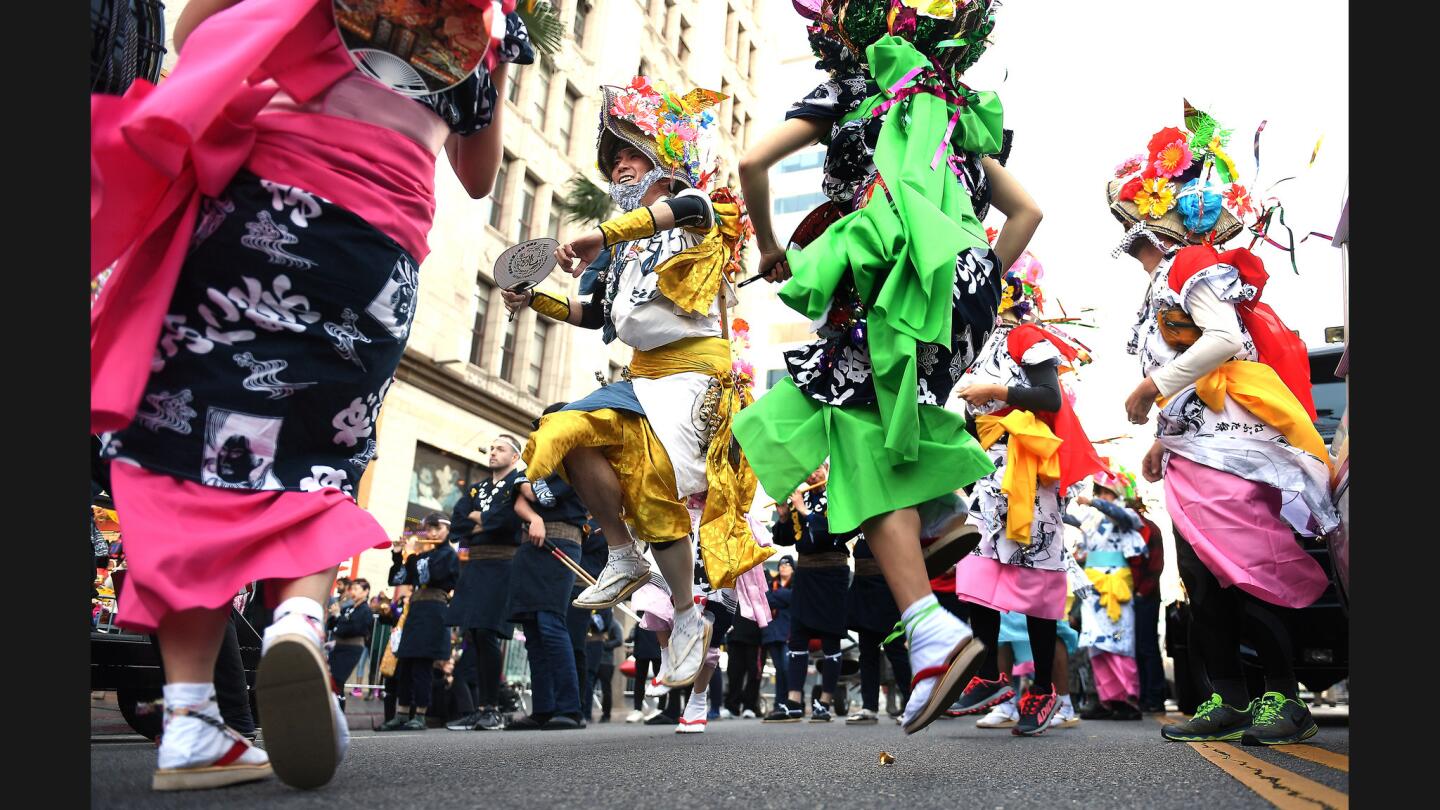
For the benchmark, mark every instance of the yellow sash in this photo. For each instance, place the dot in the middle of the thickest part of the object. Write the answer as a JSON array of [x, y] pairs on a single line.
[[727, 545], [1032, 456], [1114, 589], [1258, 389], [691, 278]]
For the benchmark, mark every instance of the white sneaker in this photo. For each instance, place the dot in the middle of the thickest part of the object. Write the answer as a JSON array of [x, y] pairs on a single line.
[[197, 751], [692, 721], [747, 715], [944, 646], [1002, 716], [623, 574], [725, 714], [689, 639], [297, 706], [635, 716], [342, 731]]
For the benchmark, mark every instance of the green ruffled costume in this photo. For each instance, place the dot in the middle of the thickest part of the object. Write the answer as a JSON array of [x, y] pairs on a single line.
[[896, 453]]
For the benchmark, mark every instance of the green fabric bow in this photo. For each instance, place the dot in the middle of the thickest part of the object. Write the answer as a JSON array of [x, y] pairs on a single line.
[[905, 278]]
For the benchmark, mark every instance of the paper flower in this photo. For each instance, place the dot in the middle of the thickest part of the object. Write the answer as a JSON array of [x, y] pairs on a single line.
[[1173, 159], [740, 325], [1238, 197], [1155, 197], [641, 84], [1130, 166], [936, 9], [1199, 207], [1162, 139], [990, 234], [1130, 189], [627, 105]]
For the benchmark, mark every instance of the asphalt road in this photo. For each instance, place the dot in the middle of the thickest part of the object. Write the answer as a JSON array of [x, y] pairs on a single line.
[[748, 765]]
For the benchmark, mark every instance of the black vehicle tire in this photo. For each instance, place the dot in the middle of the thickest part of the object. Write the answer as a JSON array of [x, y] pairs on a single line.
[[147, 724]]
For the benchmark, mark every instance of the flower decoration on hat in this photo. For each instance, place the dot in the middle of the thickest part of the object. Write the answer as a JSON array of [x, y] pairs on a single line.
[[1022, 293], [1118, 480], [675, 131]]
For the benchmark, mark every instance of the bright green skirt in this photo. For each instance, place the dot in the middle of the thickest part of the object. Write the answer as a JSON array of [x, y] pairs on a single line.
[[786, 435]]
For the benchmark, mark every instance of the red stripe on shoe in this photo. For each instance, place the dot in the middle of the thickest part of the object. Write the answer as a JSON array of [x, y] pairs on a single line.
[[685, 722], [236, 751], [929, 672]]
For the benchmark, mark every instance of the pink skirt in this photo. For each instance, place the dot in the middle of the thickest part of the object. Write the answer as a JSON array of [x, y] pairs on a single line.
[[998, 586], [1116, 676], [656, 611], [190, 546], [1235, 527]]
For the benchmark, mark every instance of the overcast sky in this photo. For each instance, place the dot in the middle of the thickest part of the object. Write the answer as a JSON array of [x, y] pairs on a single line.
[[1084, 85]]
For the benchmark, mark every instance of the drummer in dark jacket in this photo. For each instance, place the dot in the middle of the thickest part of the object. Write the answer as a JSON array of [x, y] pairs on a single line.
[[817, 607], [775, 636], [351, 625], [425, 638], [593, 552], [488, 530], [870, 611], [540, 593]]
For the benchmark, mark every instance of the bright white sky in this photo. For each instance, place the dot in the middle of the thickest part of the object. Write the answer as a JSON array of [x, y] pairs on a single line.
[[1085, 85]]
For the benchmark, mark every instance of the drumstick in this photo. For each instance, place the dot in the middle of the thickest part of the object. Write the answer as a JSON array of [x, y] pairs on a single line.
[[802, 489], [583, 574]]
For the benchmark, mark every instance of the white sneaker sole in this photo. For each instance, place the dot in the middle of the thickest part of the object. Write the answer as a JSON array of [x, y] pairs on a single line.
[[292, 688], [210, 777], [1006, 723], [690, 728], [1069, 722]]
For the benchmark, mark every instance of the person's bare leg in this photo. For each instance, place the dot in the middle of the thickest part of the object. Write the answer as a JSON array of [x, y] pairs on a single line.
[[599, 487], [190, 642], [702, 681], [677, 566], [312, 586], [894, 539]]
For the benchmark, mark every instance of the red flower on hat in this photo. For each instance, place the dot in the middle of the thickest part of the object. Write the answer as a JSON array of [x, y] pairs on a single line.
[[1130, 189], [1239, 199], [1162, 139]]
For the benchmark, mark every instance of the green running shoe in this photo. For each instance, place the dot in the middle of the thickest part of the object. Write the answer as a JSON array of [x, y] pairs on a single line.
[[1280, 721], [1213, 721]]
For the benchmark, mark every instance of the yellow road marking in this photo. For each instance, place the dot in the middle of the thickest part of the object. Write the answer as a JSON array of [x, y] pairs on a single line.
[[1283, 788], [1278, 786], [1330, 759]]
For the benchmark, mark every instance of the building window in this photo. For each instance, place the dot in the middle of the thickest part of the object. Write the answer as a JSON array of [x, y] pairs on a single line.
[[737, 120], [540, 94], [437, 480], [742, 42], [527, 209], [582, 16], [683, 48], [482, 314], [512, 76], [507, 353], [812, 159], [537, 357], [754, 59], [567, 117], [799, 202], [497, 197], [552, 228]]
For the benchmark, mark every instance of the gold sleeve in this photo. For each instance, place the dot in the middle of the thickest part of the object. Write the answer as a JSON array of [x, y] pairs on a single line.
[[636, 224], [550, 306]]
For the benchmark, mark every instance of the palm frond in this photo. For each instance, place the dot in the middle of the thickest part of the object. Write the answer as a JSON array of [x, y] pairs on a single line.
[[546, 31], [585, 203]]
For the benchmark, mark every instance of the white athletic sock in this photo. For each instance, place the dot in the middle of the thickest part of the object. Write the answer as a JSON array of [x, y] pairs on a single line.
[[189, 742], [192, 696]]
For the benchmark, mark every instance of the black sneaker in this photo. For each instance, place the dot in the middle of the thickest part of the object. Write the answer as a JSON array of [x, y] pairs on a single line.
[[662, 719], [1099, 710], [1279, 721], [562, 722], [785, 712], [416, 723], [1036, 710], [819, 712], [529, 722], [1213, 721], [394, 724], [466, 723], [981, 695], [490, 720], [1121, 710]]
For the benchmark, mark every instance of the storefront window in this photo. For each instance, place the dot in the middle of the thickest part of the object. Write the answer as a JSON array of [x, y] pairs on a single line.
[[437, 481]]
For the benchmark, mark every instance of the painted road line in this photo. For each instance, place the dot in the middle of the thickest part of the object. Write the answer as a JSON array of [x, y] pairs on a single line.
[[1285, 789], [1280, 787], [1329, 759]]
